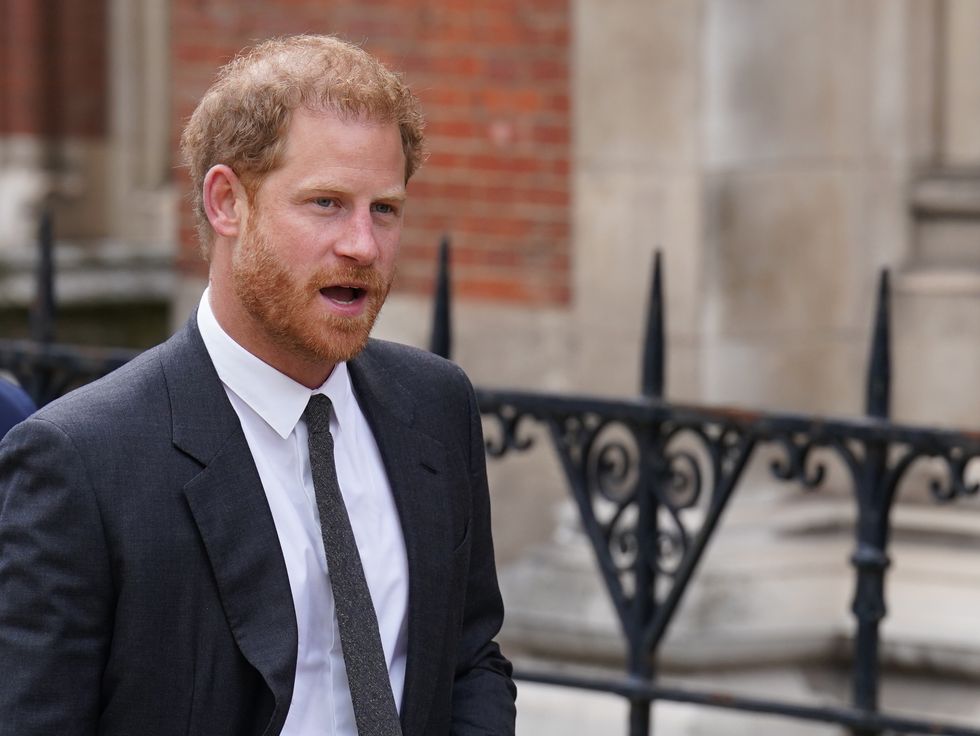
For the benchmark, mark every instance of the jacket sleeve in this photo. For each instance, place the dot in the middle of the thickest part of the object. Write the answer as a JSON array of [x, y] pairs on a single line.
[[483, 692], [55, 586]]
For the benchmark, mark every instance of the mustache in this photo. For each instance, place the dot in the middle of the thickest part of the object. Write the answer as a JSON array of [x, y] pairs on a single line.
[[361, 277]]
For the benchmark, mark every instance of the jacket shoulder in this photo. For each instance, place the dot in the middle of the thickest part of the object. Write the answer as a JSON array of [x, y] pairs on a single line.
[[416, 369], [135, 373]]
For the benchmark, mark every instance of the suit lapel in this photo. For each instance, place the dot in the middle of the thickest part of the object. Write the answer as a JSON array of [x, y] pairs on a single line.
[[417, 469], [232, 515]]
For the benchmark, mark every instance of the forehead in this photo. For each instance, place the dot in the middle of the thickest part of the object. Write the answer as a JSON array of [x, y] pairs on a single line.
[[327, 142]]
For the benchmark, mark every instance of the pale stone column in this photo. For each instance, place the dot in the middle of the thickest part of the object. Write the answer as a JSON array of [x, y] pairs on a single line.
[[938, 292], [809, 141], [143, 204], [960, 91], [637, 187]]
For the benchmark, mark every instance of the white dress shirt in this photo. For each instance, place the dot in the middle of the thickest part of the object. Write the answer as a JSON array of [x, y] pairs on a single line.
[[270, 405]]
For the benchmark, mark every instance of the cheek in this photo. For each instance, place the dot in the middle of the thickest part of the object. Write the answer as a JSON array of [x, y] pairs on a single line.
[[389, 243], [388, 261], [301, 244]]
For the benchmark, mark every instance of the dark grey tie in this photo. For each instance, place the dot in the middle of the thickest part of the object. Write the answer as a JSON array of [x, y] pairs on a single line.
[[367, 673]]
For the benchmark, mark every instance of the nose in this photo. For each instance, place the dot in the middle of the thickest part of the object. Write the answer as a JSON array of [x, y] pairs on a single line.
[[358, 242]]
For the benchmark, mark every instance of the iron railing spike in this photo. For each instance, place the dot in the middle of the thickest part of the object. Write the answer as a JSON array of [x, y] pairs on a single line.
[[654, 345], [441, 339], [878, 400]]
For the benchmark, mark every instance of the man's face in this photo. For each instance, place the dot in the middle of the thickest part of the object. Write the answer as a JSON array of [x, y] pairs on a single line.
[[317, 257]]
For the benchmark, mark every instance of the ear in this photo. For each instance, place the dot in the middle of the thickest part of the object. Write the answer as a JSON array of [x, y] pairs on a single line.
[[225, 201]]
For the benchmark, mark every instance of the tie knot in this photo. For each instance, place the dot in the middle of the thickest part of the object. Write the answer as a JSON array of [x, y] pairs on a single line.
[[317, 414]]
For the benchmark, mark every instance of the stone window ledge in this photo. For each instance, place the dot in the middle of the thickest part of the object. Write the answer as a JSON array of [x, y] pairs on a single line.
[[88, 273], [947, 193]]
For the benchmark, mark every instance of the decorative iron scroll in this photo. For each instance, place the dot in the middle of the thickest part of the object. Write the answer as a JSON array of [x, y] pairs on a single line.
[[898, 452]]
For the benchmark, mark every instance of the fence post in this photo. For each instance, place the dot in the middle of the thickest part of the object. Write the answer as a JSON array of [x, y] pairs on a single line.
[[42, 310], [641, 659], [43, 307], [874, 506]]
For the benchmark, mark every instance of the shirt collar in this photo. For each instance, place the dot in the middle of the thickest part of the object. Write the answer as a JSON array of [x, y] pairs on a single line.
[[274, 396]]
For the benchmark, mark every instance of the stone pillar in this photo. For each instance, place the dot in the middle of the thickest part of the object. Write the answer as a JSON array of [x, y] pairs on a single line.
[[960, 93], [143, 196], [810, 135], [938, 336], [638, 182]]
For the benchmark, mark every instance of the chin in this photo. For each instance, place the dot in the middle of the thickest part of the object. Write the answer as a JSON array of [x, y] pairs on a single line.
[[336, 344]]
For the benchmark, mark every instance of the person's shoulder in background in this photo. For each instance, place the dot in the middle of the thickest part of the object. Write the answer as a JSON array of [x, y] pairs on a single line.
[[15, 405]]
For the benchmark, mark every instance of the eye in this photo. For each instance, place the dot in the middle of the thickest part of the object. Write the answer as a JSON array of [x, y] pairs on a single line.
[[385, 209], [325, 202]]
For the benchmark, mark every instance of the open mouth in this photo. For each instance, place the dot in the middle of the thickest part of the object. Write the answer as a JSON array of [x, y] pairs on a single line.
[[343, 294]]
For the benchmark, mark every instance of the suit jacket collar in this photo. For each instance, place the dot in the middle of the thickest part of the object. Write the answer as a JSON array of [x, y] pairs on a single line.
[[232, 515]]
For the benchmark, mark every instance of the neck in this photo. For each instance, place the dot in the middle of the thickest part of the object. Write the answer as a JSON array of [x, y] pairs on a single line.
[[241, 327]]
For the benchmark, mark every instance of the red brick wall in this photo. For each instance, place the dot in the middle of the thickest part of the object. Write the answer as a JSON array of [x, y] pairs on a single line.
[[53, 76], [493, 77]]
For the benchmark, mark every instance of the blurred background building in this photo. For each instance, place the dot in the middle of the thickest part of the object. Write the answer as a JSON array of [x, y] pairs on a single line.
[[779, 152]]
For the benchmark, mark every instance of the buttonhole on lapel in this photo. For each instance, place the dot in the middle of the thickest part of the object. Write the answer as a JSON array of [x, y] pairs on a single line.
[[430, 468]]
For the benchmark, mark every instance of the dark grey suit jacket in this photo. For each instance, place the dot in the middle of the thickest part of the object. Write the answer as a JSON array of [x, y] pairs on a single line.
[[142, 585]]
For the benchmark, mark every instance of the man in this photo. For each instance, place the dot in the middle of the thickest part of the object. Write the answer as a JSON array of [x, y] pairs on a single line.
[[172, 537], [15, 405]]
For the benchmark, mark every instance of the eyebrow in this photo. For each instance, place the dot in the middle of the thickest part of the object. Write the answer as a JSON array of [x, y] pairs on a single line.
[[394, 194]]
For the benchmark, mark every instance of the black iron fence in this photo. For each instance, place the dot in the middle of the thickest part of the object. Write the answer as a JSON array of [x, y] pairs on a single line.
[[635, 479]]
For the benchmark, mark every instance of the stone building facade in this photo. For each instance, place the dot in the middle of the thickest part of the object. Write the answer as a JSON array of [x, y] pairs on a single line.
[[779, 152], [85, 133]]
